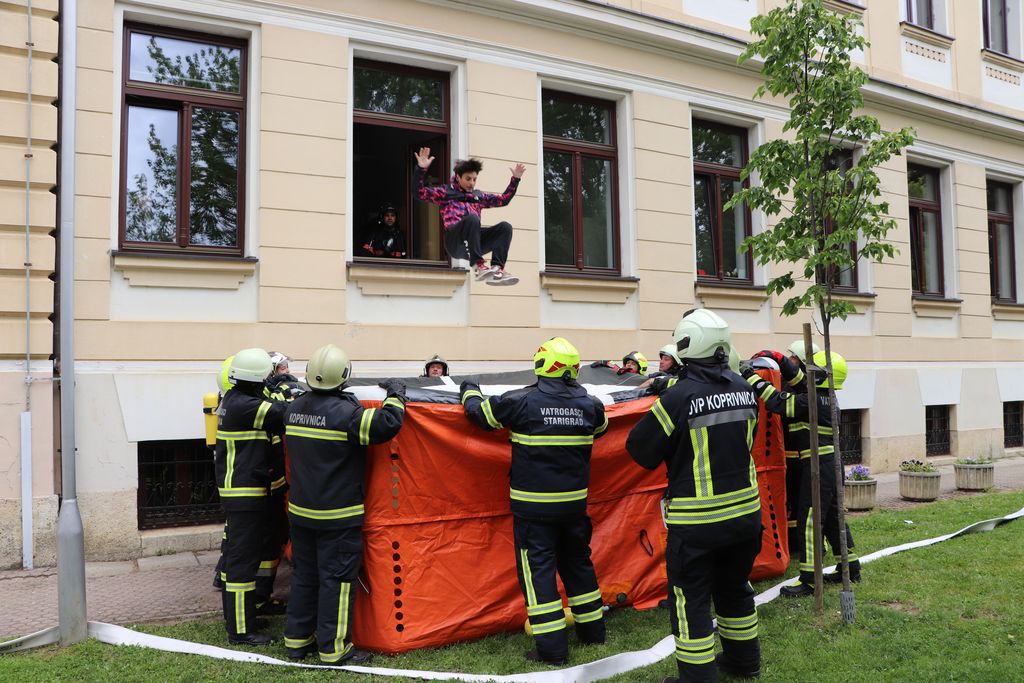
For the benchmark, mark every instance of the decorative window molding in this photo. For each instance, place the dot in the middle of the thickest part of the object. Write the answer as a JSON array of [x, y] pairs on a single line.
[[935, 307], [592, 289], [730, 297], [183, 271], [391, 279], [862, 301], [925, 35], [1008, 311], [846, 6]]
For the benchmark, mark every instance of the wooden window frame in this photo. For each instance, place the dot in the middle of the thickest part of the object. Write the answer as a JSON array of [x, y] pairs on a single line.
[[580, 149], [916, 21], [442, 127], [718, 172], [182, 99], [986, 19], [852, 246], [994, 219], [917, 207]]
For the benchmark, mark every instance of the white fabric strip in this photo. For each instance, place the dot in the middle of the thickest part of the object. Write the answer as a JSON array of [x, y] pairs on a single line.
[[591, 671]]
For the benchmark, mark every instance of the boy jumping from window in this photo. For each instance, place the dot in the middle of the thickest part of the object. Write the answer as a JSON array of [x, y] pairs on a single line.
[[461, 205]]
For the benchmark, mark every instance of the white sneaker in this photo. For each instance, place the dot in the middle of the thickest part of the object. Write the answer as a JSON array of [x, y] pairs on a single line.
[[502, 277], [484, 273]]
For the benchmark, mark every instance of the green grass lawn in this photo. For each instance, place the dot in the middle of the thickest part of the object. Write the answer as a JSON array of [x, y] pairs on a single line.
[[950, 612]]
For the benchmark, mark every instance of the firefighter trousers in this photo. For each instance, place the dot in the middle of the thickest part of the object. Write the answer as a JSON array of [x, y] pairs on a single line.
[[241, 560], [324, 581], [273, 543], [699, 573], [829, 519], [793, 500], [562, 546]]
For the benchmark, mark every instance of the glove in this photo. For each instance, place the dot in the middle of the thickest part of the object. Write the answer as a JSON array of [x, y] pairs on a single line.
[[467, 386], [394, 387], [659, 385], [774, 355], [747, 369], [625, 370], [600, 364]]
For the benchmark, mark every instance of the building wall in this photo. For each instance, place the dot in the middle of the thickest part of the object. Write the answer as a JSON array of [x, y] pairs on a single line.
[[151, 331], [27, 246]]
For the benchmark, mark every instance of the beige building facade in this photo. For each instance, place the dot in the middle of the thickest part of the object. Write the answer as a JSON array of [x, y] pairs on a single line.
[[231, 158]]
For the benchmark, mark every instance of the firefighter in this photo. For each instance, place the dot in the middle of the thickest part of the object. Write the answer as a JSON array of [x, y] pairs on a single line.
[[702, 427], [435, 367], [246, 423], [327, 431], [552, 425], [794, 406], [633, 363], [281, 380], [667, 361]]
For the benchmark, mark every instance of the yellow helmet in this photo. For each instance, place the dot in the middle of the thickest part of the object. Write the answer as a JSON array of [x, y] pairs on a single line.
[[839, 370], [222, 379], [555, 358], [328, 368], [637, 358]]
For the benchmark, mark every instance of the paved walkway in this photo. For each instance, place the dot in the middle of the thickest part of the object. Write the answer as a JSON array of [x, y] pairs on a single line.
[[174, 587]]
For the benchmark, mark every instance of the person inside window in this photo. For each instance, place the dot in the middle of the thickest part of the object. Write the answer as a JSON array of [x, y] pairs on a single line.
[[386, 239]]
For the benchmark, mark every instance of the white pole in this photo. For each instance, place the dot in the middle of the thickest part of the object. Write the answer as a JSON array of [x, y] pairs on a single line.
[[27, 548]]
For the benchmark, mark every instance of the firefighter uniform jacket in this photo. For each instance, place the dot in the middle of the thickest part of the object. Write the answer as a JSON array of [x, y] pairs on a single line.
[[703, 428], [244, 454], [326, 434], [552, 426], [793, 407]]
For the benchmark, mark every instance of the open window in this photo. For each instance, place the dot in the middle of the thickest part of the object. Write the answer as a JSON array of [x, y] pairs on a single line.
[[396, 110]]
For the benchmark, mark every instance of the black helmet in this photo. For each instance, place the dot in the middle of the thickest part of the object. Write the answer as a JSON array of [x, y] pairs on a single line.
[[386, 208], [435, 360]]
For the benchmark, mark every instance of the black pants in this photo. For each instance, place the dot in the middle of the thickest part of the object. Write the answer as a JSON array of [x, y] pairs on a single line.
[[562, 546], [700, 572], [241, 560], [468, 233], [829, 518], [324, 581], [274, 540]]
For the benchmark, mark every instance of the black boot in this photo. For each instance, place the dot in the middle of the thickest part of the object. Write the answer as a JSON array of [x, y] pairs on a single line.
[[297, 654], [534, 656], [798, 590], [254, 639], [727, 667], [355, 656]]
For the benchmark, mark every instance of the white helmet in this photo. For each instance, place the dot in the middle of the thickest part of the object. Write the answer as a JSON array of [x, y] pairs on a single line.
[[700, 333], [250, 365], [734, 359], [670, 351], [797, 349]]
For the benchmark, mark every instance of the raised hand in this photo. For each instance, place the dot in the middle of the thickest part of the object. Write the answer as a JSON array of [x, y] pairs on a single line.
[[518, 171], [423, 158]]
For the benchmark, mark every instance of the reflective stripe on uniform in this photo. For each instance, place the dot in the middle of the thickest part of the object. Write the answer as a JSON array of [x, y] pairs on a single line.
[[470, 394], [489, 415], [791, 411], [549, 626], [602, 427], [585, 598], [799, 377], [267, 568], [394, 403], [364, 426], [340, 647], [261, 414], [688, 517], [696, 650], [822, 450], [701, 463], [550, 439], [337, 513], [698, 503], [586, 617], [278, 483], [684, 627], [295, 643], [738, 628], [242, 491], [252, 435], [548, 496], [316, 433], [546, 608], [531, 594], [659, 412], [795, 426]]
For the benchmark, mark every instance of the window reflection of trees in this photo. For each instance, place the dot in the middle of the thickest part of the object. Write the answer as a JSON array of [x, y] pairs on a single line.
[[396, 93], [151, 207]]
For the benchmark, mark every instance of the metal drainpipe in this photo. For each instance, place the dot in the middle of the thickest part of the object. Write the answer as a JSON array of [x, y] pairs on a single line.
[[70, 537], [27, 546]]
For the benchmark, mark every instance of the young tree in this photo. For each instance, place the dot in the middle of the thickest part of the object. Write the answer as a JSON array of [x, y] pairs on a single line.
[[823, 207]]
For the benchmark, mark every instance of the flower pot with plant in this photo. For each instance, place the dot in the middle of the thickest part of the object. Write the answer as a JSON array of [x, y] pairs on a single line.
[[919, 481], [860, 489], [974, 474]]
